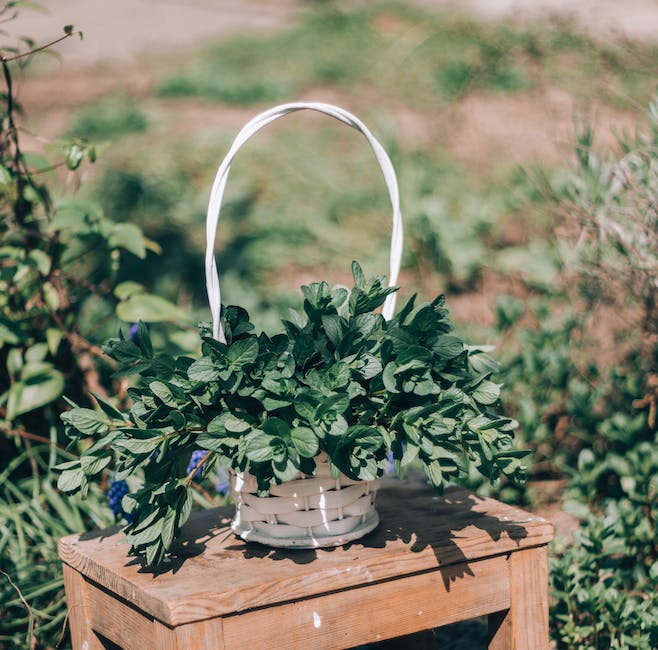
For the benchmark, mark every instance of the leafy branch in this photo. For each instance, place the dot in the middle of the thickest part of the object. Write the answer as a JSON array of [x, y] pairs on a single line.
[[68, 32], [339, 380]]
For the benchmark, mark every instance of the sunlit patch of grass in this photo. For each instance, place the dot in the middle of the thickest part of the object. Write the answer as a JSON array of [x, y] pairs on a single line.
[[400, 52], [109, 118]]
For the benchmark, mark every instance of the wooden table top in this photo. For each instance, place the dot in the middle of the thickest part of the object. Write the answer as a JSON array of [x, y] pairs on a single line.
[[215, 573]]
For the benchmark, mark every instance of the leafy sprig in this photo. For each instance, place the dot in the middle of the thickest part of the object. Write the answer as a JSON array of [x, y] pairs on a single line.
[[340, 379]]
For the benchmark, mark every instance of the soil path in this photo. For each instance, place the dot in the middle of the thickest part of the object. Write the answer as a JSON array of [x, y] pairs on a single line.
[[124, 31], [132, 31]]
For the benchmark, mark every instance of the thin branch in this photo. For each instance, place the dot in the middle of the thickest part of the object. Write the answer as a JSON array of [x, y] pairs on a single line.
[[50, 168], [197, 467], [22, 55], [79, 342], [29, 436], [30, 629], [63, 631]]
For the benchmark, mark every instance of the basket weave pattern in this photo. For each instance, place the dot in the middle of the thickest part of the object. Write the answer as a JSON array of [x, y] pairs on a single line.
[[306, 512]]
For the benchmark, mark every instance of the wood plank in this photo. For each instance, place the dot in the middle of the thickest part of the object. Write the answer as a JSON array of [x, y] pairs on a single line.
[[525, 623], [76, 592], [117, 621], [529, 599], [375, 612], [165, 637], [419, 531], [202, 635]]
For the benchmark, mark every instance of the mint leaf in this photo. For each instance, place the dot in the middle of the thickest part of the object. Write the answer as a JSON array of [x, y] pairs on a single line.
[[305, 441]]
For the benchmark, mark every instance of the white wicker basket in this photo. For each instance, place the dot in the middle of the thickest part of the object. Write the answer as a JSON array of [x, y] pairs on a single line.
[[308, 511]]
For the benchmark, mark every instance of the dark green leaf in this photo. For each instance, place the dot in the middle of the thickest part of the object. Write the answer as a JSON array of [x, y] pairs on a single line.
[[333, 329], [276, 427], [487, 392], [448, 347], [163, 392], [242, 352], [258, 447], [70, 480], [138, 445], [92, 465], [109, 409], [359, 277]]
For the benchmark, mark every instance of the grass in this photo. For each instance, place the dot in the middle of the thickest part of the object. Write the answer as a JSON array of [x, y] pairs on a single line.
[[110, 118], [33, 516], [419, 57]]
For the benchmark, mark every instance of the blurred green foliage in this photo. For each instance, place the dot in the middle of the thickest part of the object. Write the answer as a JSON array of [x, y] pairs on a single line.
[[61, 266], [590, 413], [111, 117], [402, 51]]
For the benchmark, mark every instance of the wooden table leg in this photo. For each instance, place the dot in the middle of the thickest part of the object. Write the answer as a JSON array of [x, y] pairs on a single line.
[[525, 624], [82, 636]]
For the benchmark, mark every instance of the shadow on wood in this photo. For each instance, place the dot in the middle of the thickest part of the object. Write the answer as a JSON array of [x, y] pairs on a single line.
[[425, 521]]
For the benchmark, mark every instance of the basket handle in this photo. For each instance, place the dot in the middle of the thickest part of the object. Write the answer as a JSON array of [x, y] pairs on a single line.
[[219, 185]]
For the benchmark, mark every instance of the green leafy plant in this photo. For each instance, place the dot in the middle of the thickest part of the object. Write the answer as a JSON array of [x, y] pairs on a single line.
[[339, 379], [60, 263], [614, 200], [601, 597], [590, 414]]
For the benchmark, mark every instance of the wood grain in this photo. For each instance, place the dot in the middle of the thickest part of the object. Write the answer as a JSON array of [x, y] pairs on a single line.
[[529, 599], [203, 635], [419, 531], [117, 620], [375, 612], [76, 601], [525, 624]]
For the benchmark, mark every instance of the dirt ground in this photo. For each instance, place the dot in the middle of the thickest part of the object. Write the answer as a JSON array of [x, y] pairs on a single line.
[[126, 42], [131, 31]]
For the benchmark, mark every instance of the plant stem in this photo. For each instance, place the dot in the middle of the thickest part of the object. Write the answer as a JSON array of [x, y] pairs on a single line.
[[26, 435], [22, 55], [30, 629], [200, 464]]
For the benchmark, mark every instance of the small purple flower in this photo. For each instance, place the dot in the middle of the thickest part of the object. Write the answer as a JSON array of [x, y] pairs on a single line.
[[118, 489], [222, 485], [133, 333], [196, 458]]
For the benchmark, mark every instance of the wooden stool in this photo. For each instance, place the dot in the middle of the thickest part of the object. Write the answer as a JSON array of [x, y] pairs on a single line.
[[432, 561]]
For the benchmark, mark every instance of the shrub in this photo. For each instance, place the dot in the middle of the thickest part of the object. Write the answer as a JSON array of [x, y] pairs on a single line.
[[60, 262]]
